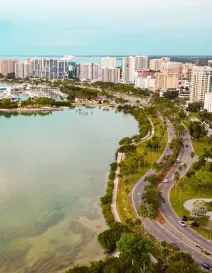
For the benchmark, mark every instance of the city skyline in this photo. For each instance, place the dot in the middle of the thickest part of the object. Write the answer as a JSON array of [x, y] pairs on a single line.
[[114, 28]]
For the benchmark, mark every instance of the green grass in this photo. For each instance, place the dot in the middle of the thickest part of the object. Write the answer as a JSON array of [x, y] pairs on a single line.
[[124, 205], [199, 146], [189, 191], [209, 206]]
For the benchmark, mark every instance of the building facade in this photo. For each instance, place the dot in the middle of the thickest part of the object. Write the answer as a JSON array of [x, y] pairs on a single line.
[[155, 64], [110, 75], [164, 81], [19, 70], [208, 102], [141, 62], [145, 82], [201, 83], [8, 66], [172, 67], [108, 62], [128, 70], [49, 68], [90, 72]]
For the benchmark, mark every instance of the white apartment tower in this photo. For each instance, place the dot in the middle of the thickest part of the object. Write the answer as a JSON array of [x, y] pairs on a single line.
[[201, 83], [108, 62], [141, 62], [208, 102], [19, 70], [128, 70], [89, 72], [110, 75]]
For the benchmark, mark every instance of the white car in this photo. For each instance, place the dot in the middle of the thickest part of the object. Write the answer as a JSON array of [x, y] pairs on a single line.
[[182, 223], [165, 181], [178, 160]]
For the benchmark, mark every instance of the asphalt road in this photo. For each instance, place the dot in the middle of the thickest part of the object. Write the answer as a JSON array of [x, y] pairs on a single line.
[[171, 231]]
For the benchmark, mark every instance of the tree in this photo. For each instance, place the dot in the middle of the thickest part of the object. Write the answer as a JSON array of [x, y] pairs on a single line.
[[197, 129], [78, 269], [195, 106], [153, 179], [192, 154], [199, 209], [131, 243]]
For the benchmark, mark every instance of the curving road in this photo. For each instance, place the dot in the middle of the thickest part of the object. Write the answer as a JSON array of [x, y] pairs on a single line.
[[170, 230]]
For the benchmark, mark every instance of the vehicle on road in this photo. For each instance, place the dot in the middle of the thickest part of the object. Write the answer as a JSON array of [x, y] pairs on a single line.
[[178, 160], [175, 245], [186, 145], [165, 181], [182, 223], [207, 266]]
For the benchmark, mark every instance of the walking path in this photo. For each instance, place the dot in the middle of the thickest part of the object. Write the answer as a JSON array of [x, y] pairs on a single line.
[[189, 205], [121, 157]]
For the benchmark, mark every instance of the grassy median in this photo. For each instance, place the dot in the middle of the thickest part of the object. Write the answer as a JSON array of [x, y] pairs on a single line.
[[124, 205]]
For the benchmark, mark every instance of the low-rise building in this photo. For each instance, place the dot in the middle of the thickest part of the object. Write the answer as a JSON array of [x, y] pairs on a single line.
[[145, 82]]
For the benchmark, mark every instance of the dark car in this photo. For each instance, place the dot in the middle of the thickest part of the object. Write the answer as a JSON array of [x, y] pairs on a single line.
[[186, 145], [207, 266]]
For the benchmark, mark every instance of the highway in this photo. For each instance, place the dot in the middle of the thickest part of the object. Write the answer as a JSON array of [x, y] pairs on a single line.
[[170, 230]]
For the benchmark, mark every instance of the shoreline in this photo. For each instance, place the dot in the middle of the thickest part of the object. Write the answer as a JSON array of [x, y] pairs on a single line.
[[44, 109]]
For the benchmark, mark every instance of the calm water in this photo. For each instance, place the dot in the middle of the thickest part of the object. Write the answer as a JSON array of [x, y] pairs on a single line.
[[53, 171]]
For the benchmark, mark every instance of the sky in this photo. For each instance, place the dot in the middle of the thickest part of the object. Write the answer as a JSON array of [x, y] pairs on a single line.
[[106, 27]]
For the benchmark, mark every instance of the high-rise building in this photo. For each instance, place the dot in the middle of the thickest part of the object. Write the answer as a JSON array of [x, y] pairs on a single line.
[[49, 68], [27, 69], [8, 66], [164, 81], [208, 102], [110, 75], [19, 70], [90, 72], [108, 62], [155, 64], [171, 67], [128, 70], [141, 62], [201, 82]]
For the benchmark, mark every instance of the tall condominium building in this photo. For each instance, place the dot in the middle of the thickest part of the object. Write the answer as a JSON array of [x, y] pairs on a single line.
[[201, 82], [208, 102], [110, 75], [108, 62], [164, 81], [23, 70], [49, 68], [128, 70], [141, 62], [171, 67], [19, 70], [27, 69], [155, 64], [8, 66], [90, 72]]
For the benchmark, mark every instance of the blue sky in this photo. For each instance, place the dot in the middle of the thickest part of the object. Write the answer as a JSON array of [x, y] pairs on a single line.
[[39, 27]]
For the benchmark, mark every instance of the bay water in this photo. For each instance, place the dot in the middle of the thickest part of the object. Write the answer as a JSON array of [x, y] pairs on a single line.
[[53, 171]]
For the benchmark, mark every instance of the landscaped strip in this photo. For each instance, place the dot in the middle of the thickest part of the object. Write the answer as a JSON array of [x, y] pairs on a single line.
[[124, 206]]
